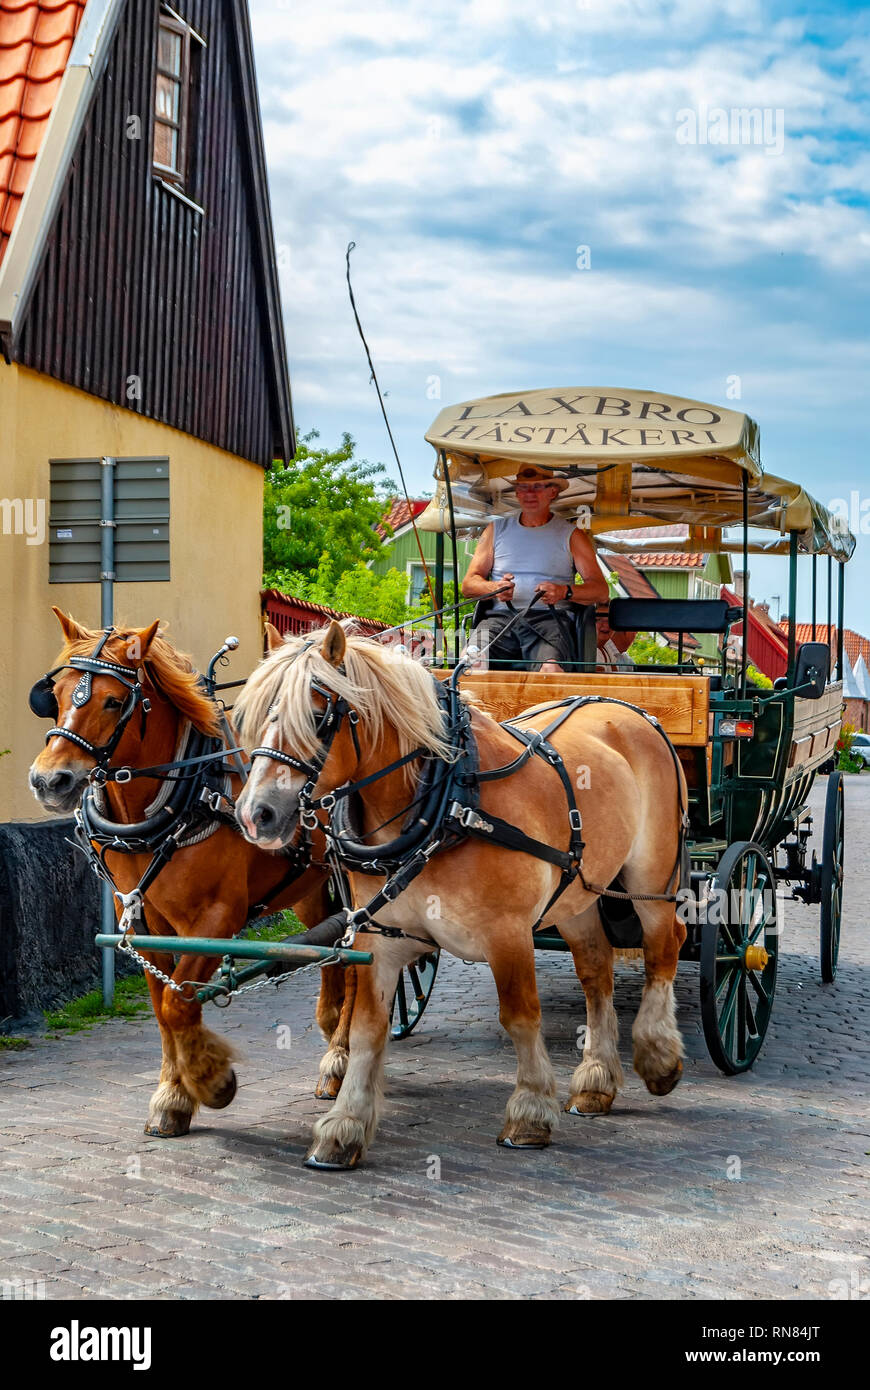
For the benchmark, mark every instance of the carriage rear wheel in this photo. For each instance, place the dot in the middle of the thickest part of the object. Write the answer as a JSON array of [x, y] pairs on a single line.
[[412, 994], [831, 875], [739, 949]]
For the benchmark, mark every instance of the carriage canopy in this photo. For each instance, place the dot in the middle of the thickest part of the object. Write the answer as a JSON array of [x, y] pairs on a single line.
[[634, 459]]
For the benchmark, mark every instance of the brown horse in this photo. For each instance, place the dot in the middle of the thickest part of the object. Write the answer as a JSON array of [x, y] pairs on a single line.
[[479, 900], [206, 889]]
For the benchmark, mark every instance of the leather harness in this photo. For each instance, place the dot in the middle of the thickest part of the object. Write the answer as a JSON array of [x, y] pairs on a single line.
[[448, 802], [201, 776]]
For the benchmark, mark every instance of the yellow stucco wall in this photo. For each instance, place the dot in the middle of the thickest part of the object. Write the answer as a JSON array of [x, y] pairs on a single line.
[[215, 551]]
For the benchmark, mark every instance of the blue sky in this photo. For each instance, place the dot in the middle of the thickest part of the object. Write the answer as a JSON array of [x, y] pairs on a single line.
[[470, 149]]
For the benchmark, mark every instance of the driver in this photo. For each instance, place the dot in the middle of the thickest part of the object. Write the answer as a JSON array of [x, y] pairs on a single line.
[[535, 552]]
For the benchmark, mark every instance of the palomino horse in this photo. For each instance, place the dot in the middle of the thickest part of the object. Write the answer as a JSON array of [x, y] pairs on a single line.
[[205, 889], [477, 900]]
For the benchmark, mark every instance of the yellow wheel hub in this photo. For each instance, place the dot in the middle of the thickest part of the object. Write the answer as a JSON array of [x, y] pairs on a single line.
[[755, 958]]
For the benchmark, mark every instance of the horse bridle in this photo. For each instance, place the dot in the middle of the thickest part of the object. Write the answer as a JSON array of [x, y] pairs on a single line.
[[337, 710], [43, 701]]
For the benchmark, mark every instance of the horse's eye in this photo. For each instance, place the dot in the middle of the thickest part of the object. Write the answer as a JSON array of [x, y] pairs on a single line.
[[113, 703]]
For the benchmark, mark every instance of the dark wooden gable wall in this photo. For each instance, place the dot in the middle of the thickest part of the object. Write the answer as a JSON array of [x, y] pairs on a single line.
[[134, 283]]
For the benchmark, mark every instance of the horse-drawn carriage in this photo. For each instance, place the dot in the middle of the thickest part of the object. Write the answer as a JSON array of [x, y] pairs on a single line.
[[657, 808], [750, 755]]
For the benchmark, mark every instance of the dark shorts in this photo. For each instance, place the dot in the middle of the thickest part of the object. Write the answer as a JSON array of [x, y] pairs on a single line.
[[538, 638]]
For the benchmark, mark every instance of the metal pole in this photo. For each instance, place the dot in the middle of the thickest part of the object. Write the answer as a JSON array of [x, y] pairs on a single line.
[[829, 635], [107, 618], [454, 547], [439, 593], [792, 603], [744, 655], [815, 567], [841, 591]]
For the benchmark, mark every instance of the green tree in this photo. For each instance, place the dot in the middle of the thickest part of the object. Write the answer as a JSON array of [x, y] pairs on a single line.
[[319, 517], [380, 596]]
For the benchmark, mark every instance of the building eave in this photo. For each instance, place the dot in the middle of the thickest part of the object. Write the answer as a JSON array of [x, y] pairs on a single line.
[[34, 219]]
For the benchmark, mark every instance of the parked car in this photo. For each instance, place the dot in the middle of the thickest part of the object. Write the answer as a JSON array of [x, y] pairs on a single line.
[[861, 748]]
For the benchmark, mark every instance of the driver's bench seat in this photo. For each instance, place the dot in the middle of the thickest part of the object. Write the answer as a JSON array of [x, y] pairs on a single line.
[[579, 628]]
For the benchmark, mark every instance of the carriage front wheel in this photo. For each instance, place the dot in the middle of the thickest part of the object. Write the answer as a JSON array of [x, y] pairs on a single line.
[[412, 994], [831, 875], [739, 950]]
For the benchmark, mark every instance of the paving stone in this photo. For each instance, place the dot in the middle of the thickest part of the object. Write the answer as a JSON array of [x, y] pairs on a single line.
[[638, 1204]]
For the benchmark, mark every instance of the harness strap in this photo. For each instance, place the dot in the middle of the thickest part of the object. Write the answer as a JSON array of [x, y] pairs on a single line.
[[465, 820], [126, 774]]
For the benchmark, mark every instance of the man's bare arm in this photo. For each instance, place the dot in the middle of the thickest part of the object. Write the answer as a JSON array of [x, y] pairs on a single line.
[[477, 583], [594, 587]]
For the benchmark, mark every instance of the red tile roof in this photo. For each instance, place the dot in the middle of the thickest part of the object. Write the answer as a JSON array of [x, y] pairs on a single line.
[[856, 645], [668, 559], [636, 585], [400, 514], [36, 37]]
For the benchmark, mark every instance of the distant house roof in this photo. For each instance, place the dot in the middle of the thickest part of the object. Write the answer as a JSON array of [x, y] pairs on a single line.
[[637, 585], [400, 514], [35, 44], [862, 677], [665, 559], [767, 647], [52, 57], [307, 614], [851, 688], [855, 644], [669, 560]]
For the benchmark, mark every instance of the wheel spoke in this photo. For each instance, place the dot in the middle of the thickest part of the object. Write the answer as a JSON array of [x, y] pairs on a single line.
[[741, 1018], [727, 977], [419, 992], [726, 1017], [752, 1027], [755, 981], [401, 1000]]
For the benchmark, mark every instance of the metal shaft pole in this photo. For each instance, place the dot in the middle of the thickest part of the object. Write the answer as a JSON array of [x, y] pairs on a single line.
[[107, 618], [792, 604], [841, 579], [744, 655]]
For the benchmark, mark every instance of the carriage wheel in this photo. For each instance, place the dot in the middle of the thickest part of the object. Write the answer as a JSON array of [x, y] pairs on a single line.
[[739, 949], [412, 994], [833, 837]]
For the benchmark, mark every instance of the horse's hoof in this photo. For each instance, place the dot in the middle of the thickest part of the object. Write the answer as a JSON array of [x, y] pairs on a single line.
[[663, 1085], [168, 1124], [328, 1087], [589, 1103], [524, 1136], [336, 1161], [221, 1099]]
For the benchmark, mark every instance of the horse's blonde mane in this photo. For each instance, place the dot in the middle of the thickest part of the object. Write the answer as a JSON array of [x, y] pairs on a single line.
[[172, 673], [386, 687]]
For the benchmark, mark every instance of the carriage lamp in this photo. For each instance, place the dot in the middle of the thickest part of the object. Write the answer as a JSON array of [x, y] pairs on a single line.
[[736, 728]]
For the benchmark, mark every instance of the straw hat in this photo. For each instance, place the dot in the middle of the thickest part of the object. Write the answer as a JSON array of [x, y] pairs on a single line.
[[530, 474]]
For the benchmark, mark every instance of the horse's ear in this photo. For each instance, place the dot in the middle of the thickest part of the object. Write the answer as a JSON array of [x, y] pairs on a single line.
[[334, 644], [274, 640], [139, 642], [70, 628]]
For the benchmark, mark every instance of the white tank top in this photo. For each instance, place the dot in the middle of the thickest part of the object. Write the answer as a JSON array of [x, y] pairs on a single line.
[[532, 554]]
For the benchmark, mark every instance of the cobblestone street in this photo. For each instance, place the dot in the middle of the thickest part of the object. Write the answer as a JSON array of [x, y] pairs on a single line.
[[742, 1188]]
